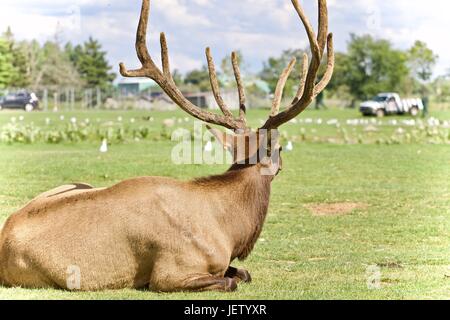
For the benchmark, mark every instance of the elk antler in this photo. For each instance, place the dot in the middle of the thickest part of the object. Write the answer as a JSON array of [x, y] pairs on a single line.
[[308, 89], [165, 81]]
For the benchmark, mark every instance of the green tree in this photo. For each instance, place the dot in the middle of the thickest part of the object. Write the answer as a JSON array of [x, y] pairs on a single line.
[[46, 66], [7, 69], [91, 63], [55, 69], [34, 65], [35, 62], [373, 66], [421, 61], [18, 77], [273, 68], [21, 78], [441, 88], [198, 78], [340, 72]]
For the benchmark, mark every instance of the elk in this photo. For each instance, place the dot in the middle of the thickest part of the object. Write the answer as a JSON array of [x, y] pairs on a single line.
[[158, 233]]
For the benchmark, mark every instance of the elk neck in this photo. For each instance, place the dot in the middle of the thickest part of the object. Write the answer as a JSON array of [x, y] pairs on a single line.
[[244, 194]]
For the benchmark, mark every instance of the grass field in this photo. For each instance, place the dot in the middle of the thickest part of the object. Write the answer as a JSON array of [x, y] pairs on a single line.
[[401, 224]]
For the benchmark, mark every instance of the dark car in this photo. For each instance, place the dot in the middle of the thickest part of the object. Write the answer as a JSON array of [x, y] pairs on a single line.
[[20, 100]]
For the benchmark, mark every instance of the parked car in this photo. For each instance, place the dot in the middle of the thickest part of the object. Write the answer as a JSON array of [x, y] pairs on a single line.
[[27, 101], [391, 103]]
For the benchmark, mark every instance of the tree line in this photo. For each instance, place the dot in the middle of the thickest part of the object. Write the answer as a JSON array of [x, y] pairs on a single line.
[[30, 64], [371, 66], [367, 67]]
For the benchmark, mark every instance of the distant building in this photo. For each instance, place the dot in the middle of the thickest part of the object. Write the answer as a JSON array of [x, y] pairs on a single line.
[[134, 86], [206, 100], [142, 87]]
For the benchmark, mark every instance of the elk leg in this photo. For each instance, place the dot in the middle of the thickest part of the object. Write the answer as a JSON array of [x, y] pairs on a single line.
[[211, 283], [238, 274]]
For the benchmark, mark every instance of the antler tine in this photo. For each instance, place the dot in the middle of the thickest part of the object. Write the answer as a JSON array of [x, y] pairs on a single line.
[[148, 69], [308, 89], [330, 67], [280, 87], [165, 56], [315, 46], [138, 73], [165, 80], [240, 86], [141, 36], [301, 88], [215, 85], [323, 26], [315, 50]]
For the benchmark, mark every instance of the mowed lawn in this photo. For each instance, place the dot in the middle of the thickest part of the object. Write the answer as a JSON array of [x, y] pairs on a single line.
[[401, 223]]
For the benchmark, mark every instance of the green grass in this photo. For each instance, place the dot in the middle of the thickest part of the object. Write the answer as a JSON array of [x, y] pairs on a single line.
[[405, 228]]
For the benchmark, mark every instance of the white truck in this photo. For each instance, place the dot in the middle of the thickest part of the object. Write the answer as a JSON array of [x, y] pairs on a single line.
[[391, 103]]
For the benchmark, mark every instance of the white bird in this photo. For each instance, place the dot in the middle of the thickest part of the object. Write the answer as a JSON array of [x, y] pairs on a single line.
[[332, 122], [209, 146], [290, 146], [104, 146]]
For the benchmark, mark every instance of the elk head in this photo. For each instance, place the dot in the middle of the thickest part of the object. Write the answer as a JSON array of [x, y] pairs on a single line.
[[247, 146]]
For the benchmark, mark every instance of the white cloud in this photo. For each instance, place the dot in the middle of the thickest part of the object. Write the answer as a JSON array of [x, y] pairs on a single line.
[[260, 28], [204, 3], [178, 13], [183, 62], [26, 25]]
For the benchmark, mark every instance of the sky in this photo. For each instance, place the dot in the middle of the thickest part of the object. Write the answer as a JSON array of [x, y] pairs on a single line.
[[259, 28]]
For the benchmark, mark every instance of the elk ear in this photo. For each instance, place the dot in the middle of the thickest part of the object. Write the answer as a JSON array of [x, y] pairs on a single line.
[[225, 139]]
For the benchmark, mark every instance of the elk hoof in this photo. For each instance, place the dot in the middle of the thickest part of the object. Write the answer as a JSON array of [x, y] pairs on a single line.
[[230, 285], [245, 276]]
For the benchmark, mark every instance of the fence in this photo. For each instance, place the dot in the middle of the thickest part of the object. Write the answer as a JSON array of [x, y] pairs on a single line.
[[67, 99], [72, 98]]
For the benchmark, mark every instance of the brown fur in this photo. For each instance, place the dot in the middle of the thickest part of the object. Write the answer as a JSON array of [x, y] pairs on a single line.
[[147, 232]]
